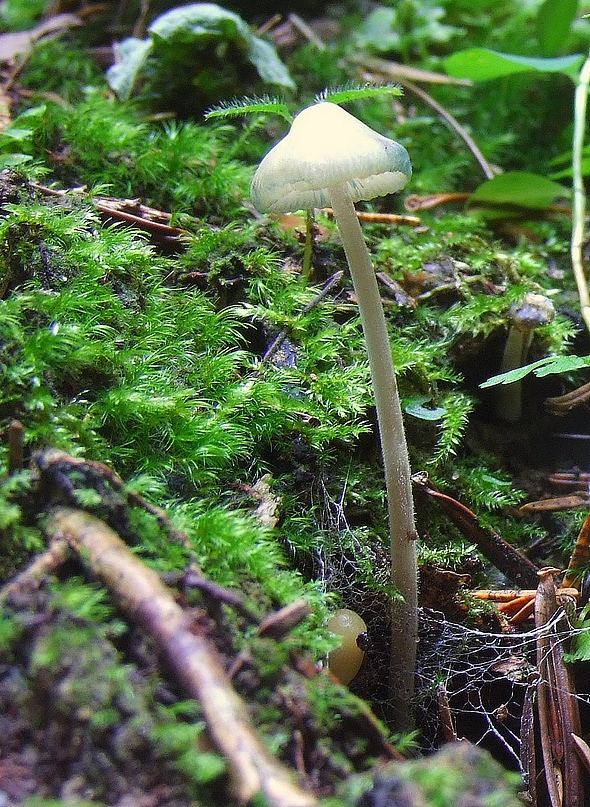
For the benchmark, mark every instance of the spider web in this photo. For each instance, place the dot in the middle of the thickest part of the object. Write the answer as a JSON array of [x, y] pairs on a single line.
[[488, 680], [483, 680]]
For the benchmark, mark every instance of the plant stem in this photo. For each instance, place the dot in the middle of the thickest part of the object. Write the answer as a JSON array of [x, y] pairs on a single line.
[[395, 457], [509, 396], [579, 201], [307, 253]]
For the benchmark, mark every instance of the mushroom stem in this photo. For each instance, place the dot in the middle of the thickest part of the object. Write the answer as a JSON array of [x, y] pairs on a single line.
[[395, 456], [509, 396], [531, 311]]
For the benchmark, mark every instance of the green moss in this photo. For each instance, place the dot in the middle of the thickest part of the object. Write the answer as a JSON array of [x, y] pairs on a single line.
[[153, 360], [96, 713], [460, 770]]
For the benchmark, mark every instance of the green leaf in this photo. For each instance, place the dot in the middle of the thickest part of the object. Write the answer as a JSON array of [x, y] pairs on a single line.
[[13, 160], [250, 106], [519, 189], [547, 366], [579, 646], [563, 364], [554, 22], [416, 407], [206, 21], [514, 375], [355, 93], [187, 27], [266, 61], [380, 30], [482, 64], [187, 23], [132, 54]]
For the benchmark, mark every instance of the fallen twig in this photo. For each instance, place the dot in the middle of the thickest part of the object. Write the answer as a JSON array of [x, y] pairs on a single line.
[[528, 755], [556, 503], [407, 79], [332, 281], [41, 566], [505, 557], [144, 599], [562, 404]]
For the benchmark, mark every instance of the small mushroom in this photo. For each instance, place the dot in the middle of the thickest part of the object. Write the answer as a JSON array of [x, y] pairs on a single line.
[[528, 313], [329, 158], [345, 661]]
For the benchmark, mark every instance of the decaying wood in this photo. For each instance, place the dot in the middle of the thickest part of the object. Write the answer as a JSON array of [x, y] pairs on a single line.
[[149, 603], [557, 708], [54, 467]]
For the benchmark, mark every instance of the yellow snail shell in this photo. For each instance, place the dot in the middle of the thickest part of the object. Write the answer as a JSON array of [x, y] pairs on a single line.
[[345, 661]]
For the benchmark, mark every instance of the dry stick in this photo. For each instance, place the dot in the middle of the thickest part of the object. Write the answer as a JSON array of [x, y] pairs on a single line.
[[487, 169], [324, 291], [579, 202], [556, 503], [516, 566], [558, 713], [405, 81], [306, 31], [507, 595], [41, 566], [563, 404], [401, 72], [146, 600], [528, 751], [582, 750]]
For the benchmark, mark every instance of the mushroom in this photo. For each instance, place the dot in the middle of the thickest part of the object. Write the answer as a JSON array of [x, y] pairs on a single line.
[[345, 661], [329, 158], [530, 312]]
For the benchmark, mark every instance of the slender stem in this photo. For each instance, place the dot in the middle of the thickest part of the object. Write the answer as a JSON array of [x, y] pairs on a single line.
[[395, 457], [307, 252], [509, 396], [579, 201]]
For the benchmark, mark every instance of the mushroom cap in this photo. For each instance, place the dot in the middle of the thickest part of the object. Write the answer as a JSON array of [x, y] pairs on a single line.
[[327, 146], [531, 311]]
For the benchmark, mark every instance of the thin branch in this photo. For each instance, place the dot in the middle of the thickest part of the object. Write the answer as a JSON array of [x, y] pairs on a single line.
[[506, 558], [150, 604], [45, 564], [487, 169], [332, 281], [403, 72]]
